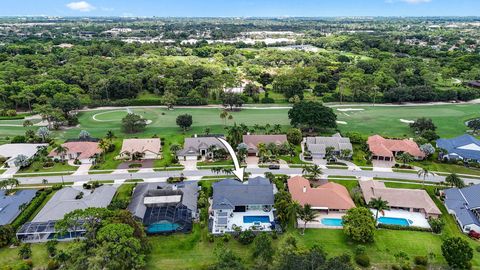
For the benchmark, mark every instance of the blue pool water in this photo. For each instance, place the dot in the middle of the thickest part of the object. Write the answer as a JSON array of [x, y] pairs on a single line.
[[337, 222], [252, 219], [162, 227], [394, 221]]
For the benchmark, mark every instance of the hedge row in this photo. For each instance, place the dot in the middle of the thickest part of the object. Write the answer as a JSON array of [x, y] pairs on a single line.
[[403, 228], [16, 117], [31, 208], [182, 101]]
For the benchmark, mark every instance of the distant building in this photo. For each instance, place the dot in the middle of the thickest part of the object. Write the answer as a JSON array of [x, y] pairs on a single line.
[[329, 197], [165, 208], [13, 150], [199, 147], [141, 148], [317, 145], [253, 141], [10, 205], [464, 205], [243, 206], [84, 151], [388, 149], [64, 201], [412, 200], [465, 147]]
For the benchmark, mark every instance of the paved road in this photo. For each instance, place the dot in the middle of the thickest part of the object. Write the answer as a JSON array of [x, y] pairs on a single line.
[[253, 171]]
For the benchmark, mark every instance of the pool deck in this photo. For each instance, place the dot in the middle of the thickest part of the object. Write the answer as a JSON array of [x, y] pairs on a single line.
[[317, 224], [418, 219], [237, 220]]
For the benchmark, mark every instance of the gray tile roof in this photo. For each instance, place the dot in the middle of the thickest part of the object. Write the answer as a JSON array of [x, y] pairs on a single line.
[[317, 145], [64, 202], [230, 193], [461, 201], [192, 146], [189, 197], [9, 205]]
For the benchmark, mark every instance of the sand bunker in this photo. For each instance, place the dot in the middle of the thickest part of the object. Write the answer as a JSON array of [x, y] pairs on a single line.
[[341, 122], [350, 109], [407, 121]]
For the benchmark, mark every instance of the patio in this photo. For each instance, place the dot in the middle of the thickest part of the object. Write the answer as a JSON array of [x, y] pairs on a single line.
[[417, 219], [236, 219]]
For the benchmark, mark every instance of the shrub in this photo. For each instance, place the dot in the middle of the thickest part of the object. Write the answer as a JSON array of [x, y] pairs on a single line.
[[477, 248], [25, 251], [403, 228], [135, 165], [48, 164], [52, 265], [246, 237], [419, 267], [226, 237], [360, 249], [211, 238], [421, 260], [396, 267], [436, 224], [267, 100], [362, 260]]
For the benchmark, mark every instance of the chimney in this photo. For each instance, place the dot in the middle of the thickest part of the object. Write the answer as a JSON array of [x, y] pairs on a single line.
[[304, 189]]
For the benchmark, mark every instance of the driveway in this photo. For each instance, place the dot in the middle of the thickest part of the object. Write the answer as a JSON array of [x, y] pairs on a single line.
[[82, 169], [320, 162], [252, 162], [382, 166], [9, 172], [189, 165]]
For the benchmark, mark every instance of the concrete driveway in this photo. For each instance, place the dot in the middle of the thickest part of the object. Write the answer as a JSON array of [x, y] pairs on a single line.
[[190, 165], [252, 162], [82, 169]]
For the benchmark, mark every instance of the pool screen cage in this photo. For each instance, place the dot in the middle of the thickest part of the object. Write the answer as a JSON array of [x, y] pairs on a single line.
[[177, 213], [44, 231]]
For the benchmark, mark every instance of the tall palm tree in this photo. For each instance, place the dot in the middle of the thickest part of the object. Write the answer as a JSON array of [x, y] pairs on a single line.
[[379, 205], [110, 135], [313, 171], [104, 145], [405, 158], [223, 116], [61, 150], [424, 173], [306, 214], [174, 148]]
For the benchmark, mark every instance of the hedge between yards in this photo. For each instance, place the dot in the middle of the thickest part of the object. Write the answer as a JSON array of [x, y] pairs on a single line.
[[31, 208], [403, 228], [182, 101], [16, 117]]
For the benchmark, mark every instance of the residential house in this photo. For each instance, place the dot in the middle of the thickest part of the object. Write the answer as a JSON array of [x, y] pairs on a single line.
[[64, 201], [317, 146], [165, 208], [464, 205], [326, 198], [141, 149], [11, 205], [465, 147], [253, 141], [84, 151], [243, 206], [199, 147], [13, 150], [388, 149], [411, 200]]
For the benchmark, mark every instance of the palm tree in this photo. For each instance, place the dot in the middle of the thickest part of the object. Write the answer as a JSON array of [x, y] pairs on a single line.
[[424, 173], [174, 148], [455, 181], [223, 116], [277, 129], [44, 181], [313, 171], [104, 145], [379, 205], [12, 182], [110, 135], [306, 214], [405, 158], [22, 207], [61, 151]]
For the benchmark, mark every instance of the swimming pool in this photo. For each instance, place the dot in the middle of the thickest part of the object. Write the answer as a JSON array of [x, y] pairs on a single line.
[[162, 226], [395, 221], [336, 222], [253, 219]]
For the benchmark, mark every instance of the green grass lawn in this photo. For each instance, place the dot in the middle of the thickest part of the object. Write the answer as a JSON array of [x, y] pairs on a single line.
[[109, 162], [446, 167], [37, 167], [215, 163]]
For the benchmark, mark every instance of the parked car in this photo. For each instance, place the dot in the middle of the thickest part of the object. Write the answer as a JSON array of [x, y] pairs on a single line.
[[274, 167], [474, 235]]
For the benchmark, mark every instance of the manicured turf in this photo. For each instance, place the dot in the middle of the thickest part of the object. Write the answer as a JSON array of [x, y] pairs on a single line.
[[37, 166]]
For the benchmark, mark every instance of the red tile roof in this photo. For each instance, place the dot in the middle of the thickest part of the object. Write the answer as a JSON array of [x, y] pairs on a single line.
[[86, 149], [380, 146], [255, 140], [329, 195]]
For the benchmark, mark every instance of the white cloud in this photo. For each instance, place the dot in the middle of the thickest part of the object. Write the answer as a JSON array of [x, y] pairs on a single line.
[[82, 6]]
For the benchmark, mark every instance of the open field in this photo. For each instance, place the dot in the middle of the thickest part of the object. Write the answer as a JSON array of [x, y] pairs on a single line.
[[384, 120]]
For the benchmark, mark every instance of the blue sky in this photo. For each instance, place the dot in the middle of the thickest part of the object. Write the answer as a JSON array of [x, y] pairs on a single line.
[[241, 8]]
